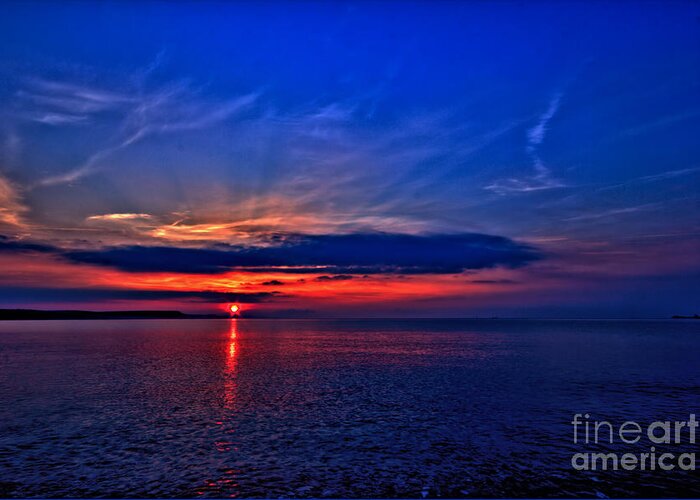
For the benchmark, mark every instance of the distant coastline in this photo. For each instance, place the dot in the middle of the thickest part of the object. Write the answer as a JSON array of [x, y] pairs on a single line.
[[678, 316], [35, 314]]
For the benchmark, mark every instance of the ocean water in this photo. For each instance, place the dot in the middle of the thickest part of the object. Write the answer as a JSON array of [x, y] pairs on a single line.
[[343, 408]]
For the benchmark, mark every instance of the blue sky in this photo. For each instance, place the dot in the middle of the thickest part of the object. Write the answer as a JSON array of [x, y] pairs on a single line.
[[565, 127]]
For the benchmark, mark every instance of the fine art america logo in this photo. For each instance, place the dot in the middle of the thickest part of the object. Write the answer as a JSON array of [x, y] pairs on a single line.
[[678, 436]]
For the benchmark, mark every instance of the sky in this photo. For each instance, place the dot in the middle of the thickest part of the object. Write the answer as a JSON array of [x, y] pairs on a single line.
[[344, 159]]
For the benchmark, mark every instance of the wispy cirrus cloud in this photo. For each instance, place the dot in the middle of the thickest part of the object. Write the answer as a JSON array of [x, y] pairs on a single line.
[[661, 122], [64, 103], [537, 133], [603, 214], [651, 188], [542, 178], [647, 179], [170, 108], [60, 118], [53, 96], [377, 176]]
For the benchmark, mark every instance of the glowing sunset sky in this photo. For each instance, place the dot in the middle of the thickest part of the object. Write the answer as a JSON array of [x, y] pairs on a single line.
[[437, 159]]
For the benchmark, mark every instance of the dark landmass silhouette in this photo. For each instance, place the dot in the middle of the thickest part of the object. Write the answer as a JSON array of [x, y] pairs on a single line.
[[677, 316], [35, 314]]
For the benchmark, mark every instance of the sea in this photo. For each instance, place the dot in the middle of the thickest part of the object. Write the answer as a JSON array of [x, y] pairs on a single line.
[[252, 408]]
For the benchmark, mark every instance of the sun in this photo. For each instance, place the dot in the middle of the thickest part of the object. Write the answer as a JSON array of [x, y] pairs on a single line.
[[234, 308]]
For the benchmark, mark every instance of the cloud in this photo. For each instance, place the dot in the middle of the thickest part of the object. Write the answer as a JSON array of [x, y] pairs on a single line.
[[118, 217], [69, 99], [670, 174], [60, 119], [337, 277], [542, 178], [170, 108], [46, 294], [14, 245], [272, 283], [312, 156], [369, 253], [650, 192], [12, 209], [660, 123], [334, 255], [251, 219], [613, 212], [494, 282], [57, 103], [662, 176], [372, 178], [537, 133]]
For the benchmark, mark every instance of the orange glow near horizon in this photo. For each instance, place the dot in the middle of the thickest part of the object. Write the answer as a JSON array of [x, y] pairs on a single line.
[[270, 290], [285, 288]]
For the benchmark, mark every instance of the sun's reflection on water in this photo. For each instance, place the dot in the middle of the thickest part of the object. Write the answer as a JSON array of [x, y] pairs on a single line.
[[231, 383], [226, 484]]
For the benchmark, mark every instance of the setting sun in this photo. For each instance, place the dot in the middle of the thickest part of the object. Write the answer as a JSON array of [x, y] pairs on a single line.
[[234, 308]]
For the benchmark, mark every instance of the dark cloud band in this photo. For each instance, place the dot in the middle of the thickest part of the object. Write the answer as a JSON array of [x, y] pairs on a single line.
[[10, 295], [371, 253]]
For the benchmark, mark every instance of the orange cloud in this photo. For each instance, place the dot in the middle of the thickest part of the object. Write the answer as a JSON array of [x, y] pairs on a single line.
[[12, 210], [118, 217]]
